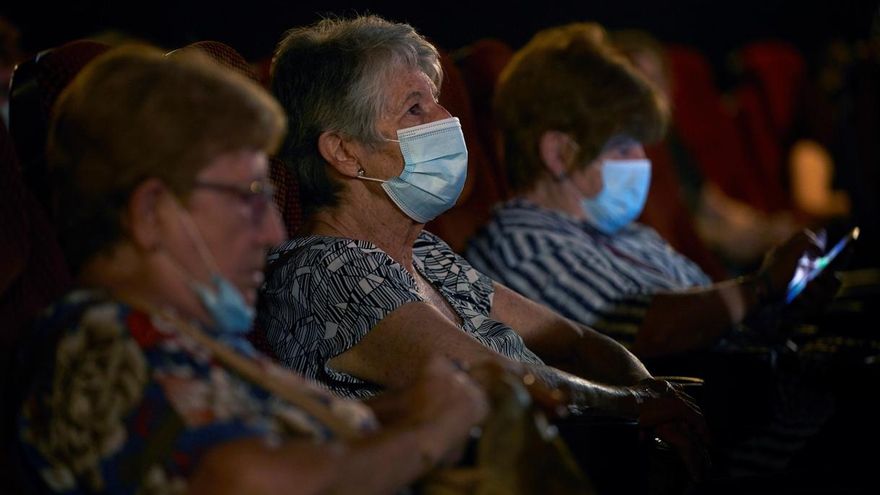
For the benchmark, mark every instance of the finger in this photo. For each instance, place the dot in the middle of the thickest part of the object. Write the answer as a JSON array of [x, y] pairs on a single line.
[[551, 401], [692, 453]]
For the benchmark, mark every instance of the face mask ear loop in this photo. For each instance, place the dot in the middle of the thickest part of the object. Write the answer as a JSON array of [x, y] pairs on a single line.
[[196, 237], [361, 176]]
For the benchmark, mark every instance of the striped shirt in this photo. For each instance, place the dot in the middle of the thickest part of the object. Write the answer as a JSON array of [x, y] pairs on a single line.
[[323, 295], [603, 281]]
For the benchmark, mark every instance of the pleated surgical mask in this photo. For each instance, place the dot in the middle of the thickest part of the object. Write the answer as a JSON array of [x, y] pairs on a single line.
[[435, 168], [623, 194]]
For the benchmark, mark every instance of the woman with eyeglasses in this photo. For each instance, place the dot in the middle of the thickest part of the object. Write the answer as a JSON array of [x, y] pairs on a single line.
[[143, 379]]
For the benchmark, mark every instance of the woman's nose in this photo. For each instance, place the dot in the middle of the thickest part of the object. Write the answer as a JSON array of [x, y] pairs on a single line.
[[439, 113]]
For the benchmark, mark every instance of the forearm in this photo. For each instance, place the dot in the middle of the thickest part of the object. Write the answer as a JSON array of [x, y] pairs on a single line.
[[565, 344], [614, 400], [695, 319], [381, 463], [602, 358]]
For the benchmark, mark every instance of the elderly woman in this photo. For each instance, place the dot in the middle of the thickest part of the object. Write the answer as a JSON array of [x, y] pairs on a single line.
[[574, 114], [145, 382], [363, 295]]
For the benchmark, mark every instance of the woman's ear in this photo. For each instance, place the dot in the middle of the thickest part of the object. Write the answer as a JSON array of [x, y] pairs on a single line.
[[337, 151], [141, 218], [556, 152]]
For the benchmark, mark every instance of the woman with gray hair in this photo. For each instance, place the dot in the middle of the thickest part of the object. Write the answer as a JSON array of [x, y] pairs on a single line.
[[363, 294], [144, 381]]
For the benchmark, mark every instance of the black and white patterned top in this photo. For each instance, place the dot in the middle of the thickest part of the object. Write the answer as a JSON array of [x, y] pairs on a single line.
[[603, 281], [323, 294]]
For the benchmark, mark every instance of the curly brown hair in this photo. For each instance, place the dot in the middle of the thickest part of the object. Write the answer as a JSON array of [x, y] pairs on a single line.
[[570, 79], [134, 114]]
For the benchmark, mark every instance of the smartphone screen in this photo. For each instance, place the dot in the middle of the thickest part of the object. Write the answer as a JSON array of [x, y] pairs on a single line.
[[808, 268]]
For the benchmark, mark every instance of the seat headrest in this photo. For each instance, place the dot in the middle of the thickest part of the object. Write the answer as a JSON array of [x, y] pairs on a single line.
[[36, 85], [223, 54]]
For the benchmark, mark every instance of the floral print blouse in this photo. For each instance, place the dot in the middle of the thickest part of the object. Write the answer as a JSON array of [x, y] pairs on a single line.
[[125, 403]]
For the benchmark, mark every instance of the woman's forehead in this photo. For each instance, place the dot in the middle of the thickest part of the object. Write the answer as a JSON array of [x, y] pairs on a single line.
[[403, 81], [240, 163]]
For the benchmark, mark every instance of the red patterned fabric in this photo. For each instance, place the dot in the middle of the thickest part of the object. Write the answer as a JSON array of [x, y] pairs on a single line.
[[60, 65], [224, 54], [287, 197]]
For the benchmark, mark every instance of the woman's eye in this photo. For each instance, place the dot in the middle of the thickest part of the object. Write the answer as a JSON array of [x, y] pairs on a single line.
[[415, 109]]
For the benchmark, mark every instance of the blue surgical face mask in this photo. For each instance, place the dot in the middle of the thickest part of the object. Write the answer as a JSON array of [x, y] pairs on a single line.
[[623, 194], [434, 172], [225, 304]]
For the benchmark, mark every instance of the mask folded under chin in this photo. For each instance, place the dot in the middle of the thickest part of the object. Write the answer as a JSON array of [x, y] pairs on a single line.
[[435, 169], [226, 305], [623, 196]]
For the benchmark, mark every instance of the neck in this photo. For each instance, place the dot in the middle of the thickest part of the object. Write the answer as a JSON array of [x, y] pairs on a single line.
[[383, 225], [560, 195], [146, 280]]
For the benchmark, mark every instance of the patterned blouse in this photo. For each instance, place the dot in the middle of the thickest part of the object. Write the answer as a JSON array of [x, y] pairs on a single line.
[[599, 280], [126, 404], [323, 294]]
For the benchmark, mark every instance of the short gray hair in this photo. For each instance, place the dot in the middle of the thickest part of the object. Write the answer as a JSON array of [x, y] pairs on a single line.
[[331, 76]]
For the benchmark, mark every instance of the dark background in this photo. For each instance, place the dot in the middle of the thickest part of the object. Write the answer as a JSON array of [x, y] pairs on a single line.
[[253, 27]]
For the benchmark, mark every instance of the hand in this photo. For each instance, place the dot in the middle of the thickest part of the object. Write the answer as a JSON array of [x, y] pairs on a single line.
[[444, 402], [676, 419], [812, 302], [552, 401], [780, 263], [659, 402], [692, 451]]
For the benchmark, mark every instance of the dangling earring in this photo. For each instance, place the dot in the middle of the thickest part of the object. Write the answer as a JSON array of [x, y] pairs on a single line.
[[361, 175]]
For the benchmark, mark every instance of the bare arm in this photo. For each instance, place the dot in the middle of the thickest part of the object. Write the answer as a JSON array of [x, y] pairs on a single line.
[[432, 420], [410, 335], [565, 344], [251, 466], [696, 318]]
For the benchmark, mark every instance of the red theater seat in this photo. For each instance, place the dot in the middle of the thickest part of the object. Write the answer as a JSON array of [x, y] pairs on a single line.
[[481, 64], [35, 86], [708, 131], [32, 274], [773, 77], [482, 189]]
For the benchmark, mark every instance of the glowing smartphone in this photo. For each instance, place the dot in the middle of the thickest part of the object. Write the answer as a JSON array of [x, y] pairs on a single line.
[[808, 269]]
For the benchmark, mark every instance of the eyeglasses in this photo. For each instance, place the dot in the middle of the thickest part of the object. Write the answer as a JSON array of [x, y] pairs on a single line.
[[620, 142], [258, 195]]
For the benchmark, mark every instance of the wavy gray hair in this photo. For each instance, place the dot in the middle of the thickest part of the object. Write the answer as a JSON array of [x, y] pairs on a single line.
[[332, 76]]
